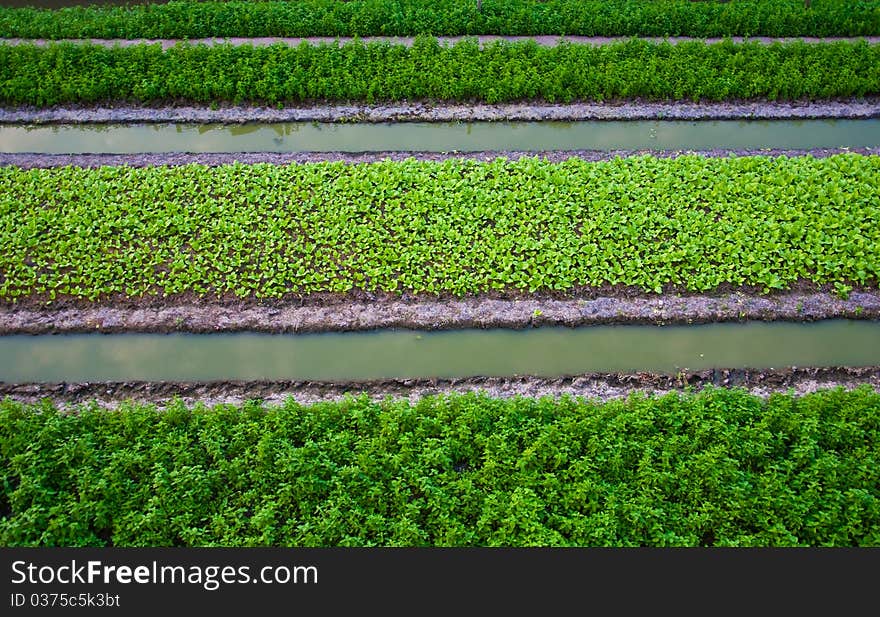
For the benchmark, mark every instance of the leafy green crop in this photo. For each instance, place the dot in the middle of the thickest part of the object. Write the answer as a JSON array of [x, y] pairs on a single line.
[[721, 468], [451, 227], [193, 19], [380, 71]]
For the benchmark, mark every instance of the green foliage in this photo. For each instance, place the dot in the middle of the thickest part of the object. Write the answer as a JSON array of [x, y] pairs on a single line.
[[721, 468], [193, 19], [451, 227], [380, 71]]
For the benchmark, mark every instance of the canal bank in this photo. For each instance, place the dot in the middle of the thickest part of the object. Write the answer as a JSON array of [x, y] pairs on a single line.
[[602, 387], [328, 313], [433, 111]]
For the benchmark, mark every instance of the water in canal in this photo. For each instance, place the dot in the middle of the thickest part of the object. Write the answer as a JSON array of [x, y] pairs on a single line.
[[440, 137], [548, 351]]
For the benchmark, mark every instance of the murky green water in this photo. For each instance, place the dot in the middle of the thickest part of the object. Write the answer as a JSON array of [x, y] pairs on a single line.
[[440, 137], [458, 353]]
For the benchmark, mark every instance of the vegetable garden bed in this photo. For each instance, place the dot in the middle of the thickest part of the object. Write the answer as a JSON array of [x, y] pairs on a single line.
[[722, 468], [193, 19], [454, 227], [71, 73]]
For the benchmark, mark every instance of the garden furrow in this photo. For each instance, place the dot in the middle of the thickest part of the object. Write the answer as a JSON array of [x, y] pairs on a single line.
[[408, 41]]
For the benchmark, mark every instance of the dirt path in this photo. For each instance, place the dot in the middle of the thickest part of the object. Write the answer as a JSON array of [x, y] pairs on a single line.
[[544, 41]]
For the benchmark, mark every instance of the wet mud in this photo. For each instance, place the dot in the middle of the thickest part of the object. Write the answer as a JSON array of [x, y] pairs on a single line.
[[428, 111], [34, 161], [344, 314], [595, 386]]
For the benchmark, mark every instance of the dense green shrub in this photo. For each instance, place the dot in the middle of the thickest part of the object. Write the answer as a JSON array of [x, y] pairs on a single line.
[[719, 468], [193, 19], [452, 227], [503, 71]]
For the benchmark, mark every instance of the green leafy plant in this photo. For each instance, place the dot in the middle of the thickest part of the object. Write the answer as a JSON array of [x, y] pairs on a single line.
[[194, 19], [379, 71], [718, 468], [454, 227]]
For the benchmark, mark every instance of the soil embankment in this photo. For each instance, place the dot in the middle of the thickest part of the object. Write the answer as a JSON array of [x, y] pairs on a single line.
[[408, 41], [342, 314], [601, 386], [33, 161], [427, 111]]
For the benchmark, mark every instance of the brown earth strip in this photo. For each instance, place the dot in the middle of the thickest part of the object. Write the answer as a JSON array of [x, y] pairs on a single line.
[[427, 111], [542, 40], [601, 386], [33, 161], [338, 314]]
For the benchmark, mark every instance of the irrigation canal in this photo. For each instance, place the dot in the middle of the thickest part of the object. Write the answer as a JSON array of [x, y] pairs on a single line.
[[439, 137], [542, 352]]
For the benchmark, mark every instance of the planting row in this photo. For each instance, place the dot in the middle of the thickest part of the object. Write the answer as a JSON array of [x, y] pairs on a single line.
[[721, 468], [451, 227], [193, 19], [380, 71]]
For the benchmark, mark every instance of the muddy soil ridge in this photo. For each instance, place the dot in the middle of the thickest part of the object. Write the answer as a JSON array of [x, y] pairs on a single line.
[[595, 386], [445, 41], [342, 315], [43, 161], [428, 111]]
